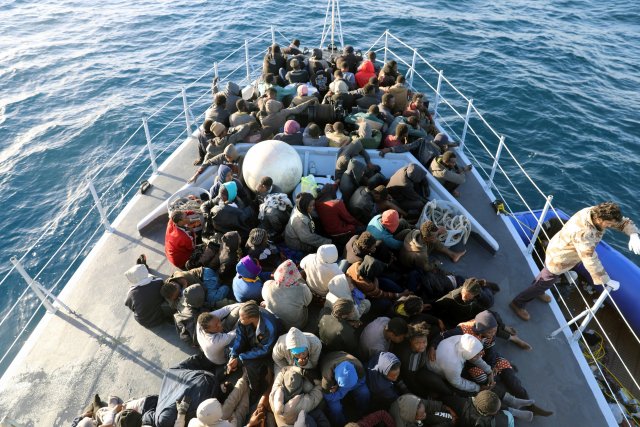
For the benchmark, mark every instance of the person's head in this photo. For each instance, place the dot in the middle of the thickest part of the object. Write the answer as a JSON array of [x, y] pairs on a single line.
[[248, 267], [429, 231], [373, 109], [295, 64], [371, 56], [380, 193], [316, 54], [302, 90], [470, 348], [314, 130], [265, 185], [209, 323], [231, 154], [305, 203], [365, 242], [249, 313], [369, 89], [402, 131], [413, 121], [417, 97], [343, 309], [291, 127], [345, 375], [275, 48], [209, 412], [470, 289], [269, 79], [337, 74], [388, 365], [180, 219], [417, 337], [218, 129], [207, 125], [241, 106], [373, 80], [421, 412], [343, 66], [230, 190], [449, 158], [400, 79], [390, 220], [605, 215], [338, 127], [485, 325], [296, 42], [396, 330], [412, 305], [170, 290], [388, 100], [393, 65], [348, 50], [271, 93], [487, 403]]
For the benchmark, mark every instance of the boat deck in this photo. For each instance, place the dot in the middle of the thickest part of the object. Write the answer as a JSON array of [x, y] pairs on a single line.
[[70, 357]]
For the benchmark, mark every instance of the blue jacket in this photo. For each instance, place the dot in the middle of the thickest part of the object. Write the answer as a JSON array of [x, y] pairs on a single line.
[[383, 390], [378, 231], [244, 291], [252, 343]]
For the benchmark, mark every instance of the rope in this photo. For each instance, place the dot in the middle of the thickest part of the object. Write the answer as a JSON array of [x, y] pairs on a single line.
[[444, 214]]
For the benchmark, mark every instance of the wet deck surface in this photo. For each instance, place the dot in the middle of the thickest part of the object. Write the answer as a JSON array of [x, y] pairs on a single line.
[[70, 357]]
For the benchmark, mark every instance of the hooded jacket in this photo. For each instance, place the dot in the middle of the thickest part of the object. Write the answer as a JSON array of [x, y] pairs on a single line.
[[368, 286], [288, 303], [383, 391], [404, 410], [299, 236], [365, 72], [178, 245], [452, 354], [277, 116], [285, 408], [335, 218], [251, 343], [320, 268], [444, 174], [328, 366], [144, 297], [415, 252], [409, 184], [229, 255], [293, 339], [352, 178], [235, 135], [337, 334], [233, 94], [339, 287], [361, 205]]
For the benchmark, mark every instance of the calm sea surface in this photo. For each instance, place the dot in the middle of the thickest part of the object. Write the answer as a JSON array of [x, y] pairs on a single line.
[[558, 79]]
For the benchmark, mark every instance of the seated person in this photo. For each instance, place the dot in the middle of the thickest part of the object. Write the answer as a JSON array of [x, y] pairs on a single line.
[[226, 136], [293, 48], [335, 218], [204, 136], [291, 134], [386, 108], [340, 287], [366, 244], [213, 338], [369, 97], [389, 73], [384, 227], [383, 378], [348, 76], [287, 296], [368, 136], [411, 411], [203, 276], [274, 213], [297, 348], [448, 173], [401, 94], [224, 175], [366, 70], [400, 137], [262, 250], [229, 157], [273, 61], [144, 297], [256, 335], [343, 375], [242, 116], [381, 291], [293, 394], [320, 268], [365, 203], [335, 134], [349, 58], [464, 302], [372, 117], [413, 124], [179, 240], [338, 326], [299, 233], [276, 116], [189, 302], [311, 137], [222, 215], [409, 188], [352, 178], [350, 151], [218, 112], [297, 74], [419, 244], [247, 285], [302, 95], [228, 256], [379, 335]]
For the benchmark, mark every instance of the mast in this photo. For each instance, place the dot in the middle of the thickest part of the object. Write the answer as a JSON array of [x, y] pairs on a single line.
[[332, 17]]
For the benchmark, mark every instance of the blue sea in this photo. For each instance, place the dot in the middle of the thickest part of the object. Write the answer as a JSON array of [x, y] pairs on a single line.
[[558, 79]]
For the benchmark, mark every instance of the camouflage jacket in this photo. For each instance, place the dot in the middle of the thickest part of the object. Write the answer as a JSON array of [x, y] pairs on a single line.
[[577, 242]]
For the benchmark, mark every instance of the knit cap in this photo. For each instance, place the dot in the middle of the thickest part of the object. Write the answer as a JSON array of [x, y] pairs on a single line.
[[273, 106], [231, 152], [487, 402], [291, 127], [484, 321], [390, 220], [217, 128], [346, 375], [232, 190], [441, 139], [302, 90], [248, 268]]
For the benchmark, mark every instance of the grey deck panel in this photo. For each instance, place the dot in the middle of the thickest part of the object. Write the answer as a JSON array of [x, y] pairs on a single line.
[[104, 350]]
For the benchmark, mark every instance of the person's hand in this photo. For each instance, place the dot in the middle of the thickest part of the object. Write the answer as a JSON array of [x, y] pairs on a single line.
[[384, 151], [468, 168], [257, 418], [441, 326], [333, 389], [183, 405], [634, 243], [431, 353], [613, 284], [487, 386], [232, 365], [193, 178]]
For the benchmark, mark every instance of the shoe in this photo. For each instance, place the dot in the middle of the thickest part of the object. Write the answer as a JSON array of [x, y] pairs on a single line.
[[520, 312], [495, 288], [197, 162], [544, 298], [539, 411], [142, 259]]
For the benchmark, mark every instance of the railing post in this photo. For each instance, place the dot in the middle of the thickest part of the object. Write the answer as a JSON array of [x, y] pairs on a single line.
[[101, 210], [412, 70], [215, 80], [495, 161], [273, 35], [246, 59], [386, 45], [35, 286], [534, 237], [589, 313], [466, 124], [152, 155], [437, 101], [185, 105]]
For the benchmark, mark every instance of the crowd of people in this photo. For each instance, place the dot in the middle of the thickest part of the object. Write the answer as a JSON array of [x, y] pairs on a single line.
[[319, 310]]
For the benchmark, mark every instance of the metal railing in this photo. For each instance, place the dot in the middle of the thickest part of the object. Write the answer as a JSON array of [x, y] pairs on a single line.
[[459, 117], [153, 147]]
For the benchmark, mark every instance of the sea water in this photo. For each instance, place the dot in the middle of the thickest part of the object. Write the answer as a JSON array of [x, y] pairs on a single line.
[[558, 79]]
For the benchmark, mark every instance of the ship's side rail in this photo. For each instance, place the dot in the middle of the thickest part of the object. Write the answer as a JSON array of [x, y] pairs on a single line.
[[505, 176], [101, 197]]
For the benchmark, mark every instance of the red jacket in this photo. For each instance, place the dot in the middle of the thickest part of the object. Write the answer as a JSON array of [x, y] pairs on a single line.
[[178, 245], [335, 218], [365, 72]]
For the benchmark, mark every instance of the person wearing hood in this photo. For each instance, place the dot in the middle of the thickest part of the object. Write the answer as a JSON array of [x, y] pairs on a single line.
[[229, 157], [189, 305], [144, 298], [291, 394], [204, 136], [452, 355], [350, 58], [409, 188], [202, 276], [212, 337], [343, 375], [291, 134], [222, 214], [276, 116], [341, 287], [311, 137], [465, 302], [297, 73], [300, 232], [338, 326], [225, 135], [224, 175], [379, 335], [411, 411], [383, 378], [320, 268], [229, 255], [287, 296], [208, 414], [384, 226], [217, 112], [389, 73], [273, 61], [297, 348], [448, 173], [247, 284], [365, 203], [352, 178], [316, 63], [365, 71]]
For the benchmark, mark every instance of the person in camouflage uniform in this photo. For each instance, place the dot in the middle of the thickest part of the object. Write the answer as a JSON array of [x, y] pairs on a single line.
[[576, 242]]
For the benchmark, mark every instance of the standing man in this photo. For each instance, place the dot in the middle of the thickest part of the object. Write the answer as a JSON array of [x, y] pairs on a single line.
[[576, 242]]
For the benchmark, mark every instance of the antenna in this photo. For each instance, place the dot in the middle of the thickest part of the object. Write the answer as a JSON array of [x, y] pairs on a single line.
[[331, 18]]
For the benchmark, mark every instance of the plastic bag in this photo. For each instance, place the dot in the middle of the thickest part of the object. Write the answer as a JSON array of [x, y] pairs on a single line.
[[308, 184]]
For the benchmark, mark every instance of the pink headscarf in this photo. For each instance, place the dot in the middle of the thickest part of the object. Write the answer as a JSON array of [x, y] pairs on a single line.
[[303, 90], [291, 127], [287, 274]]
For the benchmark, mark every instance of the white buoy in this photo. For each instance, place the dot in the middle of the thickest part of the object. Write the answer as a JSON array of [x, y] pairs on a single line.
[[275, 159]]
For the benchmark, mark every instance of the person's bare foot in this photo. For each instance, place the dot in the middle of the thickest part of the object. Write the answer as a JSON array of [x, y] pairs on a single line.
[[520, 342], [456, 193], [510, 330], [455, 257]]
